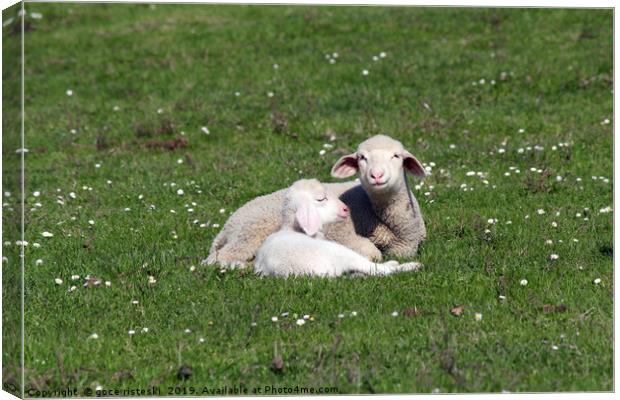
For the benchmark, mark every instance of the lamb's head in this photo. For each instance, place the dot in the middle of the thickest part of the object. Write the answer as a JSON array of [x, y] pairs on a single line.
[[380, 161], [308, 206]]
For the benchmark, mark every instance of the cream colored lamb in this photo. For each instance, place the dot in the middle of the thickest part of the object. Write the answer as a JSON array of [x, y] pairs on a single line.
[[299, 247], [383, 220]]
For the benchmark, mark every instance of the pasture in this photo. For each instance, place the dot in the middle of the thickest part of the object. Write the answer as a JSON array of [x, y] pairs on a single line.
[[146, 126]]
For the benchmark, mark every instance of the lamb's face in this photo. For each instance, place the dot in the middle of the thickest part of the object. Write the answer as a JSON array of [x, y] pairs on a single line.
[[380, 161], [314, 206]]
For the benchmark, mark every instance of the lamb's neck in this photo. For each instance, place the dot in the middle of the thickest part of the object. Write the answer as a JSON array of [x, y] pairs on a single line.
[[298, 229], [387, 205]]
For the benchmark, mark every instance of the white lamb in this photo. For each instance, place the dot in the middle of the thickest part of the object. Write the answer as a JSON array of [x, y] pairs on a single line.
[[299, 247]]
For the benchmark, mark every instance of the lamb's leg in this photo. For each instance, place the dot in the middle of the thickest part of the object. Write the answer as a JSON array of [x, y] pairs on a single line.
[[236, 246], [386, 268], [365, 247], [344, 233], [399, 242], [231, 256], [220, 241]]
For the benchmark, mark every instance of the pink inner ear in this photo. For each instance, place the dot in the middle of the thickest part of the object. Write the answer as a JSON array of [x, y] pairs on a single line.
[[412, 165], [345, 167], [308, 219]]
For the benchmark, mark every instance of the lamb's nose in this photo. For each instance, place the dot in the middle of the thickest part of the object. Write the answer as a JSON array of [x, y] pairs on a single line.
[[345, 209], [376, 175]]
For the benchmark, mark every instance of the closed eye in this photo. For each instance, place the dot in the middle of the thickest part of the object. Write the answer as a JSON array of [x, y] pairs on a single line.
[[323, 199]]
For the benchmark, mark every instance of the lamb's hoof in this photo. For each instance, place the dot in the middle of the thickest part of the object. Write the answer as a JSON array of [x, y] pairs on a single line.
[[410, 266], [233, 265], [237, 265], [225, 264]]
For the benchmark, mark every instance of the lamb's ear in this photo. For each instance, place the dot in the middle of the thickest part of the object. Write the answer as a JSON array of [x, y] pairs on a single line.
[[345, 167], [308, 219], [412, 165]]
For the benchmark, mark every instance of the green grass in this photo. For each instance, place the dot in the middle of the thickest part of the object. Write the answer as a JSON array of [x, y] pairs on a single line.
[[553, 79]]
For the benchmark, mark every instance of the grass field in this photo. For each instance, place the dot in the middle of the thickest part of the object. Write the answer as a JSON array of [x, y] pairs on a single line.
[[510, 107]]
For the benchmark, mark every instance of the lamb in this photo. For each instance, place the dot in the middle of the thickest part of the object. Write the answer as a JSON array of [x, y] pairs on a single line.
[[383, 217], [299, 247]]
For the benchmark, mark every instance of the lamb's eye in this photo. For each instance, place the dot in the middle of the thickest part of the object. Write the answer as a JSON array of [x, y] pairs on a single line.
[[323, 199], [361, 157], [396, 156]]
